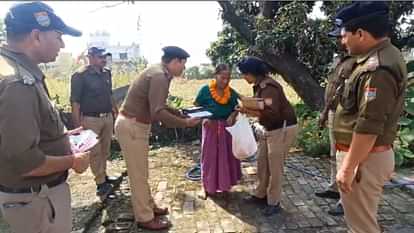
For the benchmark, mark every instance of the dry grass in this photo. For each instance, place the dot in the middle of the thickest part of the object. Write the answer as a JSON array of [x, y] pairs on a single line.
[[186, 89]]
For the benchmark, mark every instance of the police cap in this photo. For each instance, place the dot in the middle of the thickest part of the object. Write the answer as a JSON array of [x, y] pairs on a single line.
[[95, 51], [24, 17], [253, 65], [359, 12], [175, 52]]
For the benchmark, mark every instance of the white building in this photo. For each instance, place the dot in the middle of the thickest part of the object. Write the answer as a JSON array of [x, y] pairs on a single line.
[[120, 53]]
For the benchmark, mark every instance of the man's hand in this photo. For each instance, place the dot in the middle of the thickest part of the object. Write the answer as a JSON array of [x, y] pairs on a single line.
[[191, 122], [232, 118], [80, 162], [249, 112], [74, 131], [322, 119], [344, 179]]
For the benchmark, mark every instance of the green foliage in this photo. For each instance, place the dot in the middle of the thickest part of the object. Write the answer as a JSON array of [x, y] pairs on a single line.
[[291, 30], [404, 153], [311, 139], [199, 72], [175, 101]]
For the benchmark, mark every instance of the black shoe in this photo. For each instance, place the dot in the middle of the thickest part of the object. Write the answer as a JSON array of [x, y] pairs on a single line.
[[328, 194], [338, 210], [103, 189], [251, 199], [111, 179], [272, 209]]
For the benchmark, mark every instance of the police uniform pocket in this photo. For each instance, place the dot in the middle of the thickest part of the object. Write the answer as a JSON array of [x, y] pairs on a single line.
[[29, 211], [348, 99]]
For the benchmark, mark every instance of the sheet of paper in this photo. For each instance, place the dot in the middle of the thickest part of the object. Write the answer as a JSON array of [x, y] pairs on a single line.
[[202, 114], [84, 141]]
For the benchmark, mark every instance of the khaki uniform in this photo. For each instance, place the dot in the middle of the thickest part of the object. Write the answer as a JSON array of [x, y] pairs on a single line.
[[145, 103], [371, 103], [336, 79], [30, 129], [279, 121], [93, 91]]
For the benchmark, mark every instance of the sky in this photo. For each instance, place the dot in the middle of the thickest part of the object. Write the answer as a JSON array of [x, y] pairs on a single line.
[[190, 25]]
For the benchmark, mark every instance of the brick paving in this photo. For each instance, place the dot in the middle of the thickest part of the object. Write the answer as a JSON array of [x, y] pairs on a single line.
[[303, 212]]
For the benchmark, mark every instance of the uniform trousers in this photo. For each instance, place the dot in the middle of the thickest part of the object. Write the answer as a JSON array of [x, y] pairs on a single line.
[[103, 127], [133, 138], [361, 204], [48, 211], [273, 147]]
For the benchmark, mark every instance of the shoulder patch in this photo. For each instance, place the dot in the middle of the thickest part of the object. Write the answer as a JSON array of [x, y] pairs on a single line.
[[26, 77], [372, 63], [6, 69]]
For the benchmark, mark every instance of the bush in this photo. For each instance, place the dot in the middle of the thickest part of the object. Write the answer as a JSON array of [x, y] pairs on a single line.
[[311, 139]]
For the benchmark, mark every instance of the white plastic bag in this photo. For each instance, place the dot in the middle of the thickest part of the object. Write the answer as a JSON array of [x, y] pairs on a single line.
[[243, 141]]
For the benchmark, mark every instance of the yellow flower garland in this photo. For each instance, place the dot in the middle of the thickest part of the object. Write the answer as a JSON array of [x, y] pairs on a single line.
[[219, 99]]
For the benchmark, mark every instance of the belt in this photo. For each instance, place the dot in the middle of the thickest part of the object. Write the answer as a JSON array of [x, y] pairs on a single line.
[[375, 149], [129, 116], [97, 114], [34, 188]]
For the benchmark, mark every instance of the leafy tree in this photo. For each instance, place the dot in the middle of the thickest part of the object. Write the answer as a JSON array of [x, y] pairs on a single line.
[[295, 45], [192, 73]]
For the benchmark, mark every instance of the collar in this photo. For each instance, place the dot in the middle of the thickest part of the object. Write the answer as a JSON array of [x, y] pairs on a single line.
[[22, 60], [258, 81], [362, 58], [93, 70], [166, 72]]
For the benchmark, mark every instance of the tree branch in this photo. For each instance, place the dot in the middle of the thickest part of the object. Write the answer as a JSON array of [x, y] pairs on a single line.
[[269, 9], [229, 15]]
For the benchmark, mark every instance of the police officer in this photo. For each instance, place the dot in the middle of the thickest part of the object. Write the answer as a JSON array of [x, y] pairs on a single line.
[[144, 104], [365, 124], [35, 153], [92, 108], [279, 121], [341, 69]]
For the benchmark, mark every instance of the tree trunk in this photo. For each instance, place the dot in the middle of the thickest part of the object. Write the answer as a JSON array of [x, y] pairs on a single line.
[[297, 76]]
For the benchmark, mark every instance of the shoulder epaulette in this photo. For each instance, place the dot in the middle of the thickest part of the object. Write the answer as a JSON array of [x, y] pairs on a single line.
[[26, 77], [372, 63]]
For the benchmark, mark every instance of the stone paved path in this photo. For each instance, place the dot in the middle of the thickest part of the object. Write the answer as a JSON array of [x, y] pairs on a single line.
[[303, 212]]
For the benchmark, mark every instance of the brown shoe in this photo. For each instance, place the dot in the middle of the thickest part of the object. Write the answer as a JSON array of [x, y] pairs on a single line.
[[160, 211], [155, 224]]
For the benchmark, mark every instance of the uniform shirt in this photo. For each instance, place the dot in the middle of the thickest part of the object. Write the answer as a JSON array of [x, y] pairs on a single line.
[[147, 95], [336, 78], [373, 97], [30, 126], [277, 108], [92, 90], [219, 111]]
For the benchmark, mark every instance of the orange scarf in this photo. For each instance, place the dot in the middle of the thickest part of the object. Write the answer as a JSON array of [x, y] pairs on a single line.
[[219, 99]]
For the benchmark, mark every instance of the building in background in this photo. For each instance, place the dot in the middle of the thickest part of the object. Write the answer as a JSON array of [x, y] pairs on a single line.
[[120, 53]]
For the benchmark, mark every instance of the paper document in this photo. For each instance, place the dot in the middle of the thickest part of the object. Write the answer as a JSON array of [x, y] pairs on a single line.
[[83, 141], [202, 114]]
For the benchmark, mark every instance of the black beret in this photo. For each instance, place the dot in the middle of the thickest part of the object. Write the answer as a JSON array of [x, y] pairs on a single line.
[[175, 52], [24, 17], [253, 65], [97, 51], [359, 11]]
